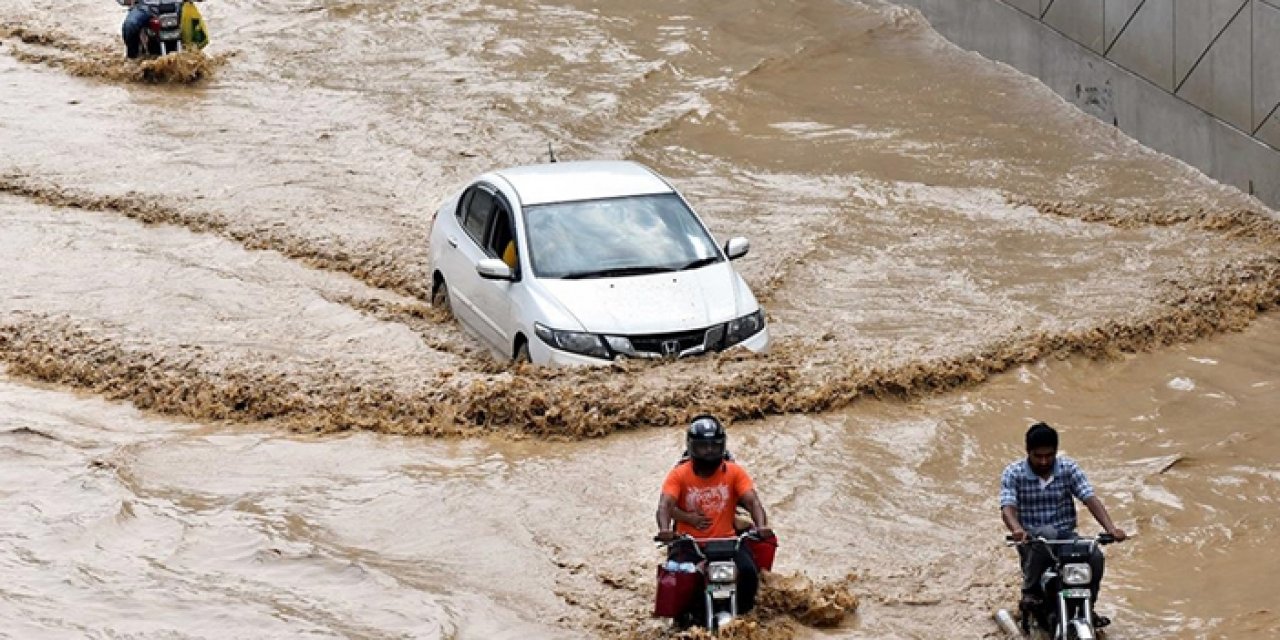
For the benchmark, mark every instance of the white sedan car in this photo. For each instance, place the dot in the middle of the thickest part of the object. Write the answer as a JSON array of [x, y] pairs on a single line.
[[583, 262]]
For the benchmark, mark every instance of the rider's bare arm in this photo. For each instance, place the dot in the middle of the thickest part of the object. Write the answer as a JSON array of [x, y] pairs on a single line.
[[665, 505], [752, 502], [694, 519], [1100, 514], [1009, 513]]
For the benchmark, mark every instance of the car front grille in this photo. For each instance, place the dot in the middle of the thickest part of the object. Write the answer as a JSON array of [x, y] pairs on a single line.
[[669, 345]]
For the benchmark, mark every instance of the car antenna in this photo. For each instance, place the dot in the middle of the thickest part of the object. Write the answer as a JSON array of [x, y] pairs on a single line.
[[551, 153]]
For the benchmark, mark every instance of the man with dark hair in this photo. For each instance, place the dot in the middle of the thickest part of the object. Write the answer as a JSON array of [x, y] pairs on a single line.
[[1035, 501]]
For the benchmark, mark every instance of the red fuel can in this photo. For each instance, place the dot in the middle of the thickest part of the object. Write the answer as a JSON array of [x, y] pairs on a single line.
[[762, 552], [675, 588]]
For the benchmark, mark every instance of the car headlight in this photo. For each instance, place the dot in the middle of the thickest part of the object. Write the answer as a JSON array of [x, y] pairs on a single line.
[[587, 344], [620, 344], [1076, 574], [742, 328], [722, 572]]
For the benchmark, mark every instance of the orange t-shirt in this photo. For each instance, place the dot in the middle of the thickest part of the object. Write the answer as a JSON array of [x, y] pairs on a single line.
[[715, 497]]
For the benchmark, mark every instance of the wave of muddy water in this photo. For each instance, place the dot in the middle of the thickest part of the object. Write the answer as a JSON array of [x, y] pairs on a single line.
[[250, 252], [115, 522], [104, 61]]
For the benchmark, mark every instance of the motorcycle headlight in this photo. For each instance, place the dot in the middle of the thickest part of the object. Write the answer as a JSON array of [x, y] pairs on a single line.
[[722, 572], [1076, 574], [742, 328], [587, 344]]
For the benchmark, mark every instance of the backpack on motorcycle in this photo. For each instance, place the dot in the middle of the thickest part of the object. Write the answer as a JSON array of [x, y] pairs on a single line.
[[675, 590], [193, 33]]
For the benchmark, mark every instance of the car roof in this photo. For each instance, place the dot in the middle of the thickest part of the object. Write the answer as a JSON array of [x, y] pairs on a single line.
[[590, 180]]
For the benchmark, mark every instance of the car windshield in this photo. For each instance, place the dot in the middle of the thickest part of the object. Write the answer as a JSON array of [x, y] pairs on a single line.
[[615, 237]]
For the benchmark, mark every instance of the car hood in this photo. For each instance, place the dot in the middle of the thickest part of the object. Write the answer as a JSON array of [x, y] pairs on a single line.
[[657, 303]]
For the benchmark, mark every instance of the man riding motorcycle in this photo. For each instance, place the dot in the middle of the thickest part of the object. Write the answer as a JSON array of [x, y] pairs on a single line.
[[1035, 501], [131, 30], [699, 498], [140, 15]]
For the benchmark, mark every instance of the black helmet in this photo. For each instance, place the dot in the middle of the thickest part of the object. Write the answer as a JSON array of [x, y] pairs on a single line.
[[705, 440]]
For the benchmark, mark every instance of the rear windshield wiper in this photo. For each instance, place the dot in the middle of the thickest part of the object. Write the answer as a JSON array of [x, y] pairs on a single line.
[[617, 271], [700, 262]]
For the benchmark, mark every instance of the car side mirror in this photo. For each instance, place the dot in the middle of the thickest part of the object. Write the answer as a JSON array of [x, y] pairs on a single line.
[[737, 247], [493, 269]]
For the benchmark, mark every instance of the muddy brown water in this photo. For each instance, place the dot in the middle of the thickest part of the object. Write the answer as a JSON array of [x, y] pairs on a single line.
[[217, 346]]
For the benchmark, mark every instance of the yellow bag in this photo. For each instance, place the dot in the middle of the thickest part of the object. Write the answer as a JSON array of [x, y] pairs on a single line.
[[192, 25]]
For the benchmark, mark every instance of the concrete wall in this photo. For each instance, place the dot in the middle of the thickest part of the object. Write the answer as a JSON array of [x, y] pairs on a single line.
[[1197, 79]]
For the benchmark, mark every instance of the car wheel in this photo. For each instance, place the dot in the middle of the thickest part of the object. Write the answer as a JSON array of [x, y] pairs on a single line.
[[440, 297], [522, 353]]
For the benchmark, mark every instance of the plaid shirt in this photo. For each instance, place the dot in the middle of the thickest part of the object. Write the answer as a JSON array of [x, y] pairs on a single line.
[[1050, 505]]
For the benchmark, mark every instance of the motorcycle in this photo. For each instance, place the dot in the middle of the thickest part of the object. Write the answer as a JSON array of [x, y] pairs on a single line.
[[714, 574], [164, 31], [1065, 611]]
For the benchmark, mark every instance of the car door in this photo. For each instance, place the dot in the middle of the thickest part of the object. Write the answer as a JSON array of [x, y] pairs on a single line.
[[494, 296], [475, 217]]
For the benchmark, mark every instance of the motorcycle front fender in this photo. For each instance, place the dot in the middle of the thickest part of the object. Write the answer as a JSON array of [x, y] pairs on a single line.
[[1081, 624], [715, 607], [1083, 629]]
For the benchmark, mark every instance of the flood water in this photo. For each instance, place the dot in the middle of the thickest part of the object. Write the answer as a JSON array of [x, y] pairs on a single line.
[[227, 409]]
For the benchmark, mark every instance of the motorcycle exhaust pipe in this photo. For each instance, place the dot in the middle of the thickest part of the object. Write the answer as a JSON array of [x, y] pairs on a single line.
[[1006, 623]]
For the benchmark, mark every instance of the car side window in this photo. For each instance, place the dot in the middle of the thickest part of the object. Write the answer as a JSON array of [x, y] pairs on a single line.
[[502, 243], [479, 212], [463, 201], [501, 232]]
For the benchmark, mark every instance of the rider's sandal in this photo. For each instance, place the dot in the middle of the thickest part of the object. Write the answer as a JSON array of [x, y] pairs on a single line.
[[1100, 621]]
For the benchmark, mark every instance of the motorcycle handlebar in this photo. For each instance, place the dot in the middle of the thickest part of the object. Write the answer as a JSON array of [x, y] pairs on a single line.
[[750, 534], [1101, 538], [680, 538]]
